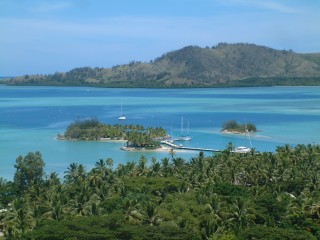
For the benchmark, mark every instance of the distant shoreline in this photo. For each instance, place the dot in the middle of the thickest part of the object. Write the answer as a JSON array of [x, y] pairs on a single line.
[[61, 138], [125, 148], [160, 149], [235, 132], [254, 135]]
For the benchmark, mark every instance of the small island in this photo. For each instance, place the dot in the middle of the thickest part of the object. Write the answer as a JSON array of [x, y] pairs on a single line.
[[136, 136], [232, 127]]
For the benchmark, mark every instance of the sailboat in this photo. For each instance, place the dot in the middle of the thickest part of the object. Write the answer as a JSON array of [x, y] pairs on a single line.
[[182, 137], [243, 149], [122, 116]]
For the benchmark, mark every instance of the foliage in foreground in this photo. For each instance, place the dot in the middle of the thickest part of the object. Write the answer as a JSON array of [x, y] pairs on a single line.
[[112, 226], [226, 196]]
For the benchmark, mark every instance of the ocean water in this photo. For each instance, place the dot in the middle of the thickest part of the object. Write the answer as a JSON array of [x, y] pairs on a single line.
[[31, 117]]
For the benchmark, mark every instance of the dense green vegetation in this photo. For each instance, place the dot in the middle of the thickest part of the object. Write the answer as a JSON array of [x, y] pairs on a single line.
[[233, 126], [225, 196], [223, 65], [136, 135]]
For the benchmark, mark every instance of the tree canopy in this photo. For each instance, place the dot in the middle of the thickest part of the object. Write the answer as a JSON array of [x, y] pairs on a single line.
[[29, 170], [136, 135], [233, 125], [223, 196]]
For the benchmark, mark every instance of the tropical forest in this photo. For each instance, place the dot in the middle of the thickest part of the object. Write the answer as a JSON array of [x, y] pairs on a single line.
[[136, 136], [221, 65], [227, 195]]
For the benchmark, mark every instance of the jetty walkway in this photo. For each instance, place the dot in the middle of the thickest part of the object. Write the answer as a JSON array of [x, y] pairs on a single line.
[[189, 148]]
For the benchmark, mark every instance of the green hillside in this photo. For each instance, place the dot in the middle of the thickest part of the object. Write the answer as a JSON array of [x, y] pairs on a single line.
[[193, 66]]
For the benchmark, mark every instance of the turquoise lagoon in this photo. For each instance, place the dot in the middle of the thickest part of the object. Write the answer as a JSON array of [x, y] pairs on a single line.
[[31, 117]]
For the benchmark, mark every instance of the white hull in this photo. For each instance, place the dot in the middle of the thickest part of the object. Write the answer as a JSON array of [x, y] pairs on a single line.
[[242, 150]]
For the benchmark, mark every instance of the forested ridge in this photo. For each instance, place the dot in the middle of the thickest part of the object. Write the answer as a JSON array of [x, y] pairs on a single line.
[[222, 65], [224, 196]]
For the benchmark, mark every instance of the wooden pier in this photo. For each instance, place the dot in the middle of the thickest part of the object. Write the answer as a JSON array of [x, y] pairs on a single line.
[[189, 148]]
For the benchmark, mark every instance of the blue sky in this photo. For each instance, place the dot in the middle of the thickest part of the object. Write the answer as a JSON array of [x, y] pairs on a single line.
[[48, 36]]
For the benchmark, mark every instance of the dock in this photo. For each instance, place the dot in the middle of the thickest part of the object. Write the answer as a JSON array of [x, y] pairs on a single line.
[[168, 143]]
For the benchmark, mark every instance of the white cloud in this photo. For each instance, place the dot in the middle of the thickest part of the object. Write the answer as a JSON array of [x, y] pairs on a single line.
[[276, 6], [263, 4], [45, 7]]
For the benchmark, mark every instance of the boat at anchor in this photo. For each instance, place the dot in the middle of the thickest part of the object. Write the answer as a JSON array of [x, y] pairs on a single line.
[[182, 137], [122, 116]]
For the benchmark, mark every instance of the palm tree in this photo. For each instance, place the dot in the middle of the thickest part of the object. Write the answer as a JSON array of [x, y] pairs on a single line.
[[55, 201], [55, 209], [95, 178], [71, 173], [151, 214], [80, 204], [109, 162], [52, 180], [155, 168], [240, 216], [100, 166], [94, 206], [130, 210], [37, 215], [313, 211], [230, 147], [19, 219], [178, 164], [142, 169], [172, 153], [166, 167], [75, 173], [209, 227], [215, 207]]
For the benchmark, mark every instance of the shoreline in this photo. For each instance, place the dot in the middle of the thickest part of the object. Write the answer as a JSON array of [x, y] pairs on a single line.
[[87, 140], [254, 135], [236, 132], [124, 148], [160, 149]]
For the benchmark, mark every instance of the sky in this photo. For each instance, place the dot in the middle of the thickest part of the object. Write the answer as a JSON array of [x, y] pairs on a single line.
[[48, 36]]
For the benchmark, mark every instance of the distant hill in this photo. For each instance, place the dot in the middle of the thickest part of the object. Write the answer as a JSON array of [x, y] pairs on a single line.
[[192, 66]]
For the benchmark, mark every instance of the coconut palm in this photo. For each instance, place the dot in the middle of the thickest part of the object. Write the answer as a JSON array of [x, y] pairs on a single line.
[[109, 162], [18, 219], [240, 216], [208, 227], [142, 169], [100, 166], [215, 208], [79, 204], [155, 168], [151, 215], [166, 167]]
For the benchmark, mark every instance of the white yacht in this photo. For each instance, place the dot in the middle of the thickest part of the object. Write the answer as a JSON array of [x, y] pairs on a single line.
[[242, 149], [122, 117], [182, 137]]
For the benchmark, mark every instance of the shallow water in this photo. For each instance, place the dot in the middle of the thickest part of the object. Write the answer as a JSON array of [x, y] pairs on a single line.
[[31, 117]]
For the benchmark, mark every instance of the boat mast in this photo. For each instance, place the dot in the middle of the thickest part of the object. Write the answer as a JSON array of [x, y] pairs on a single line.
[[182, 126], [188, 129], [121, 107], [247, 131]]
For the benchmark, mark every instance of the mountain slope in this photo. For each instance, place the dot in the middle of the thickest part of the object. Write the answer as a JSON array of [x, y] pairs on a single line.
[[221, 65]]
